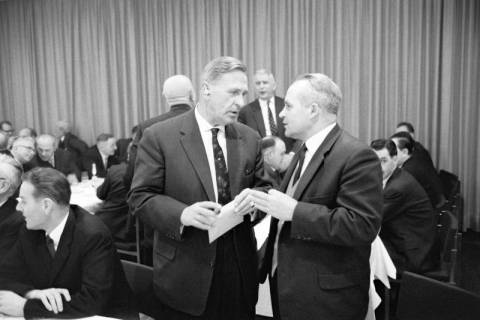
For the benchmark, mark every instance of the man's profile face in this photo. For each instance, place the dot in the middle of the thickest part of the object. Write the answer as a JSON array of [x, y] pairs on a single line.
[[24, 151], [45, 149], [402, 154], [31, 208], [264, 86], [226, 95], [108, 147], [275, 157], [295, 114], [388, 162], [7, 129]]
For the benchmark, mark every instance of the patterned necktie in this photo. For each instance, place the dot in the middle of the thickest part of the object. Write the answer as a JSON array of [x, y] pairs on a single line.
[[301, 158], [223, 184], [271, 121], [50, 246]]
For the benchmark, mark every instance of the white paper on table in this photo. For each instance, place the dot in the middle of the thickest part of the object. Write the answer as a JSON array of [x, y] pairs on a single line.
[[261, 231], [226, 220]]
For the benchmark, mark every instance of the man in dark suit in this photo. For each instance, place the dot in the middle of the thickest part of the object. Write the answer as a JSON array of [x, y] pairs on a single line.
[[276, 159], [422, 170], [187, 168], [101, 156], [70, 142], [180, 96], [48, 156], [10, 219], [262, 114], [326, 214], [419, 150], [123, 145], [408, 224], [64, 264]]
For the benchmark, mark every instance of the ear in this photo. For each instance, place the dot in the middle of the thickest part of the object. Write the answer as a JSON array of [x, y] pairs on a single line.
[[4, 186], [47, 205], [315, 109]]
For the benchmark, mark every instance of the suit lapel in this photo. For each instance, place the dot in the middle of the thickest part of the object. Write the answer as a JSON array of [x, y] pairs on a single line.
[[63, 250], [316, 161], [257, 115], [193, 146], [234, 157]]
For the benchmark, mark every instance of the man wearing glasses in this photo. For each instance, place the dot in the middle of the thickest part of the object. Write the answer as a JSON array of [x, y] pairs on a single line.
[[23, 150]]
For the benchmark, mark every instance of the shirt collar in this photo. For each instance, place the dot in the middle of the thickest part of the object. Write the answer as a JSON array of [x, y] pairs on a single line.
[[56, 233], [314, 142], [264, 102], [204, 125]]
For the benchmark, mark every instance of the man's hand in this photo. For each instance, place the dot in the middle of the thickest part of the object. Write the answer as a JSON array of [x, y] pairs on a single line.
[[201, 215], [11, 304], [72, 179], [275, 203], [51, 298], [243, 201]]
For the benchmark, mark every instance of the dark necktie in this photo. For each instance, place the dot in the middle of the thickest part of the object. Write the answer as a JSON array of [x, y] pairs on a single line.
[[271, 121], [301, 158], [223, 184], [50, 246]]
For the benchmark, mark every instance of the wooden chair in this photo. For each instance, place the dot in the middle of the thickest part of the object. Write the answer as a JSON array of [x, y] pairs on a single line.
[[422, 298], [131, 249]]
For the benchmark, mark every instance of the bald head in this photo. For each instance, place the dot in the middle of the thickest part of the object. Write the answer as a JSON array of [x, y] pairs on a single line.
[[178, 89], [46, 146], [10, 176]]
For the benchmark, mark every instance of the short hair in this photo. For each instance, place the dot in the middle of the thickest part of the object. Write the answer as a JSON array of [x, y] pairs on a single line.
[[326, 91], [47, 137], [18, 140], [65, 125], [11, 170], [5, 122], [49, 183], [268, 142], [265, 71], [408, 125], [31, 132], [388, 144], [221, 65], [104, 137], [405, 141]]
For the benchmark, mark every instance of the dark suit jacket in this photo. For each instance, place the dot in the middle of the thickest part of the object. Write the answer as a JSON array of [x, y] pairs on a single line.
[[323, 257], [171, 173], [85, 263], [114, 209], [76, 146], [408, 226], [93, 156], [251, 115], [122, 147], [428, 178], [63, 160], [11, 221], [175, 110]]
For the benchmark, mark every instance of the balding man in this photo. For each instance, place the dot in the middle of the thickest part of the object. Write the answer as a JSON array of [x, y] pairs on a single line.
[[70, 142], [23, 150], [49, 156], [101, 156], [10, 219], [262, 114], [180, 96], [27, 132]]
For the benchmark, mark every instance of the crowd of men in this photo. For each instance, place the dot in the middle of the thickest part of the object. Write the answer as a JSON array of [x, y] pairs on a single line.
[[328, 194]]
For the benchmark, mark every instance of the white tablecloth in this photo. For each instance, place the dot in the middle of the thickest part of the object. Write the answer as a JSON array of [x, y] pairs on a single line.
[[84, 194], [381, 267]]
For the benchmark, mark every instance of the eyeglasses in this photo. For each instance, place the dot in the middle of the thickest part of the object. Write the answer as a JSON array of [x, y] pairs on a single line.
[[27, 147]]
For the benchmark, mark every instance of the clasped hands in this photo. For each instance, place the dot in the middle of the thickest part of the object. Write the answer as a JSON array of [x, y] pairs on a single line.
[[12, 304], [202, 215]]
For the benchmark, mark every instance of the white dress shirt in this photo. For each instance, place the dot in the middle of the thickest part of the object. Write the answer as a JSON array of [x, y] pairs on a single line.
[[264, 108], [313, 143], [56, 233], [206, 133]]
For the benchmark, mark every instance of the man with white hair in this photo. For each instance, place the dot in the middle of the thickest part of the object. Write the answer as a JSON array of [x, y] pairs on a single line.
[[23, 150], [48, 155], [10, 219], [180, 96]]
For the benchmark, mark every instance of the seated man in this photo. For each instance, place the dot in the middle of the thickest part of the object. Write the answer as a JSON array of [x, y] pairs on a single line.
[[421, 170], [408, 225], [102, 155], [64, 264], [275, 158], [23, 150], [49, 156], [70, 142], [27, 132], [10, 219], [418, 150]]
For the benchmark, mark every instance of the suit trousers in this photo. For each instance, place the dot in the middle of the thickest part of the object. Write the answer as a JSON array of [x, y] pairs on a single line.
[[226, 299]]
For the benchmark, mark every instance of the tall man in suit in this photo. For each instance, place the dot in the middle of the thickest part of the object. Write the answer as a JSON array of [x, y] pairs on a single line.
[[188, 167], [10, 219], [262, 114], [64, 264], [102, 155], [408, 224], [48, 155], [70, 142], [180, 96], [326, 214]]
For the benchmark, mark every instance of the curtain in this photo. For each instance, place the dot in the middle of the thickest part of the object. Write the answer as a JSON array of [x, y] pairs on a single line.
[[101, 63]]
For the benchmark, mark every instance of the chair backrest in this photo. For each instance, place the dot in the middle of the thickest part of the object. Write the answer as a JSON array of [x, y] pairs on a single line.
[[450, 184], [131, 249], [140, 280], [422, 298]]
